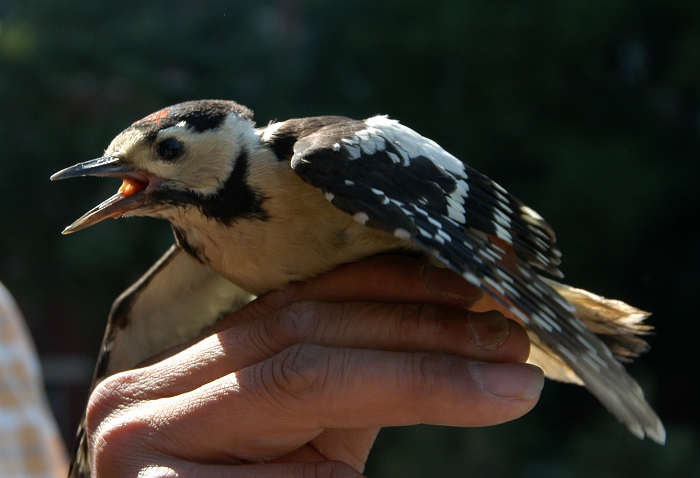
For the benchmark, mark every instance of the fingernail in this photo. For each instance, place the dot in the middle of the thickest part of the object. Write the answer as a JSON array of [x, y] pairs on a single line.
[[445, 283], [490, 329], [508, 380]]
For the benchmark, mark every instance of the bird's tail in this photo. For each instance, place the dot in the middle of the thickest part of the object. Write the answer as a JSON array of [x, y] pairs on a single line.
[[619, 325], [591, 338]]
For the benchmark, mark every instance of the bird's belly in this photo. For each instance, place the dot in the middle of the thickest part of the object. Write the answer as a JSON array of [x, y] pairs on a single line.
[[260, 257]]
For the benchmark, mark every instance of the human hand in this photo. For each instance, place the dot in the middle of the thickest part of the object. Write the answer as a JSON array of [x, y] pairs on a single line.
[[299, 382]]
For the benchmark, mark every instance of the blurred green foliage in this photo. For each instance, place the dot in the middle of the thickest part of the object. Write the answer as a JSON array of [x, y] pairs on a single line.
[[588, 111]]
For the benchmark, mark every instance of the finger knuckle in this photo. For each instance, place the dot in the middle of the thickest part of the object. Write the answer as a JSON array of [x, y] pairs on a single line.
[[113, 393], [416, 320], [116, 425], [291, 325], [118, 440], [423, 374], [300, 371]]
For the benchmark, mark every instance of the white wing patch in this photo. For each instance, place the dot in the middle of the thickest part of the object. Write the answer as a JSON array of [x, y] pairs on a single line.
[[412, 144]]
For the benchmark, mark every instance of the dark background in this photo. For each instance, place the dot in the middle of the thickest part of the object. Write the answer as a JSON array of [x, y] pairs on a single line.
[[589, 111]]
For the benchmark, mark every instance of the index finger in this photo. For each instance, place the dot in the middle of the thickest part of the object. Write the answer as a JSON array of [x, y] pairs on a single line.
[[385, 278]]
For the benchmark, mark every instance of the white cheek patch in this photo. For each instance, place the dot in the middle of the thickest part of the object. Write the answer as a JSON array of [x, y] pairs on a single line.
[[210, 156]]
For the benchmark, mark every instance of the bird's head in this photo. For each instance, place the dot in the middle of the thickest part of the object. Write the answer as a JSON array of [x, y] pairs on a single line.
[[180, 155]]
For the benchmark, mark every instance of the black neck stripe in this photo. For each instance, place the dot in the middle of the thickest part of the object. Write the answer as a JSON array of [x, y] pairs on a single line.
[[234, 201]]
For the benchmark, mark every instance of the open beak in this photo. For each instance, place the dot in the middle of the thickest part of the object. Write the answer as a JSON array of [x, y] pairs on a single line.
[[132, 194]]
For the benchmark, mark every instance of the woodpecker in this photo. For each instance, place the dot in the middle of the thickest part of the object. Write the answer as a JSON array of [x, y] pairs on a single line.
[[253, 209]]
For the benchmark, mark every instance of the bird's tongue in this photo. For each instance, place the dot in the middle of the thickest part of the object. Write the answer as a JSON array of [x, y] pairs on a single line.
[[131, 186]]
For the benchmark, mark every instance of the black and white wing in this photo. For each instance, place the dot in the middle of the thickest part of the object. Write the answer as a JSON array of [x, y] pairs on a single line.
[[389, 177], [170, 304]]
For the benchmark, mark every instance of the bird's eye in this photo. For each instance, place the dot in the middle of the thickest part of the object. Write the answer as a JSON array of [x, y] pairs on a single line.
[[169, 149]]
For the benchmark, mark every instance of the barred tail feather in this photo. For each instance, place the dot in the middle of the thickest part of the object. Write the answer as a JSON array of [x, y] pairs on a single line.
[[616, 323], [619, 326]]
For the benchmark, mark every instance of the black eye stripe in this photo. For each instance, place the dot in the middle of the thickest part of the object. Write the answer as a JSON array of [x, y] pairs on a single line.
[[169, 149]]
